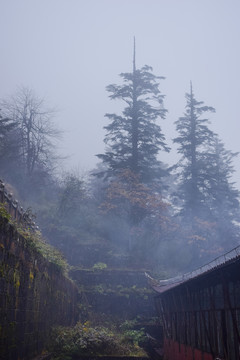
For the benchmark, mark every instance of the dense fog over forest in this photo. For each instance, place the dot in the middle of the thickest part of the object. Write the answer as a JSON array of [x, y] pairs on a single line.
[[68, 52], [119, 125]]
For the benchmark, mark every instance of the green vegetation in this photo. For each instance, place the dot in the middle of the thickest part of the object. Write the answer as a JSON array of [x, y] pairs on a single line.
[[162, 219], [118, 290], [34, 241], [48, 252], [99, 266], [134, 336], [85, 340], [3, 212]]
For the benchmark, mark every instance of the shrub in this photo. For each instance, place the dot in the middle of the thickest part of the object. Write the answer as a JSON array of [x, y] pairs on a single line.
[[84, 340], [99, 266]]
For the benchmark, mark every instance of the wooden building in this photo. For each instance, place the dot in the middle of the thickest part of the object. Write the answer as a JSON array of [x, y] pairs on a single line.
[[200, 311]]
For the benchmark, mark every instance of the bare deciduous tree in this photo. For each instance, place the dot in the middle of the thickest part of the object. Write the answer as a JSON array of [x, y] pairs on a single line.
[[36, 132]]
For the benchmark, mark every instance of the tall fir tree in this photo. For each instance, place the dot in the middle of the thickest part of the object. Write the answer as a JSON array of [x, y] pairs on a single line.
[[133, 138], [194, 135], [222, 197], [209, 202]]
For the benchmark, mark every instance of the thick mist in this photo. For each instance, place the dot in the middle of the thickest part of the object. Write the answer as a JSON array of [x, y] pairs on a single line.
[[164, 210], [69, 52]]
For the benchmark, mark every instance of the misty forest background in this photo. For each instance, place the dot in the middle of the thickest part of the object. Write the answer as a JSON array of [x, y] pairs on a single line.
[[166, 219]]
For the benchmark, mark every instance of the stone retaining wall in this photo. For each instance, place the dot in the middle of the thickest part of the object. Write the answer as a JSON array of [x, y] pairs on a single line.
[[119, 293], [34, 296]]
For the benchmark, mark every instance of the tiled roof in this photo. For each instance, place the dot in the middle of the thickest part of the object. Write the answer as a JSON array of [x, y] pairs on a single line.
[[163, 285]]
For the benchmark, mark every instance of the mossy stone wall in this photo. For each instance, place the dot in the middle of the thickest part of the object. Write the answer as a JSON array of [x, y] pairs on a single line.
[[34, 296]]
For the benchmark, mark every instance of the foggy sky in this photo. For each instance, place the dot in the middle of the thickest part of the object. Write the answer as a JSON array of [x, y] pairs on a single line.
[[68, 51]]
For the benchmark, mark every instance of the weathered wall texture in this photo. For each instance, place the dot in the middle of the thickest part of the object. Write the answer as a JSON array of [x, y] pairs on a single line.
[[34, 296], [119, 293]]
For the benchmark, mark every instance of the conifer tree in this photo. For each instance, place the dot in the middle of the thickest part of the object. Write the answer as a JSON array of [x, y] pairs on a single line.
[[209, 202], [193, 137], [222, 197], [133, 138]]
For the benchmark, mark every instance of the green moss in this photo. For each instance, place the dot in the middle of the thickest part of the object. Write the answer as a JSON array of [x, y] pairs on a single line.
[[34, 241], [16, 279], [3, 212], [31, 276]]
